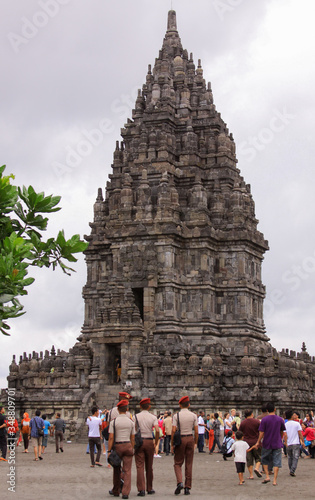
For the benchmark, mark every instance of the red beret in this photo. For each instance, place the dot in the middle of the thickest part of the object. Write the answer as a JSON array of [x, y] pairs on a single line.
[[184, 399], [124, 395], [145, 401], [123, 402]]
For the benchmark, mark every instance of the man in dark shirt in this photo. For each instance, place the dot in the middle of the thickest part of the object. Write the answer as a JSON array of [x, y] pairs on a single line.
[[3, 434], [59, 427], [250, 429]]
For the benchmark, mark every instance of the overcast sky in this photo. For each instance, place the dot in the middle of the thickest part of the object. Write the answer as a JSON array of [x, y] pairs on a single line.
[[73, 66]]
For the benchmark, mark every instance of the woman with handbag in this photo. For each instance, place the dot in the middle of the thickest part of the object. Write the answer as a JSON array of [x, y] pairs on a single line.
[[121, 443]]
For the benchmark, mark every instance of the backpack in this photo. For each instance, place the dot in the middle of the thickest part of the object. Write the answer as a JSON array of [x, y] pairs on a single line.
[[225, 446]]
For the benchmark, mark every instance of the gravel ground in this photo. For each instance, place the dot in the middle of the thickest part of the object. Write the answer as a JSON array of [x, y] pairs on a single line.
[[68, 475]]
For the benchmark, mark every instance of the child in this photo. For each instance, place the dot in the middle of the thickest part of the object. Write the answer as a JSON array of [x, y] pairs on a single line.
[[240, 449], [226, 445]]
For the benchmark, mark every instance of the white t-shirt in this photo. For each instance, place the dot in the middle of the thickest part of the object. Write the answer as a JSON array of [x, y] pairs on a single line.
[[292, 428], [201, 428], [240, 447], [94, 426]]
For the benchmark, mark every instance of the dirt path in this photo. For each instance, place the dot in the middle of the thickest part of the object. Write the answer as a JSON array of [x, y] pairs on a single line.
[[68, 476]]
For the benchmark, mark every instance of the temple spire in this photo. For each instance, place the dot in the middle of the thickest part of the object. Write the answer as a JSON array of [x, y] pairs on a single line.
[[171, 21]]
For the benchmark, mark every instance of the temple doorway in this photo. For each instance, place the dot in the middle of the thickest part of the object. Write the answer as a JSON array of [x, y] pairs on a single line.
[[113, 363]]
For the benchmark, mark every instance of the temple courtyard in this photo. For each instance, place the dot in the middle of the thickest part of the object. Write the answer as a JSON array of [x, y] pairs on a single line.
[[68, 475]]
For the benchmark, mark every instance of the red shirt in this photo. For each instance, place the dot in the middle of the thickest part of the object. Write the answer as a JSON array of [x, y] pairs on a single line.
[[309, 433]]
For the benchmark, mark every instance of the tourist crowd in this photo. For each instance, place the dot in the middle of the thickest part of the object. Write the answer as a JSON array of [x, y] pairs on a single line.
[[256, 442]]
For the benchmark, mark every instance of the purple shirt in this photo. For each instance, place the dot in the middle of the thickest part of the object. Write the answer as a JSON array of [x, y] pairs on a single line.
[[272, 425]]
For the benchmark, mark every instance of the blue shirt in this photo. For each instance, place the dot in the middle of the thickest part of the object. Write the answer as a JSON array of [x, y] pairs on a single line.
[[35, 423], [47, 425]]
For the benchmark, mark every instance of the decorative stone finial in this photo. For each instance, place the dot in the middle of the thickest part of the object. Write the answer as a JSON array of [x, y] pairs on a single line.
[[171, 21]]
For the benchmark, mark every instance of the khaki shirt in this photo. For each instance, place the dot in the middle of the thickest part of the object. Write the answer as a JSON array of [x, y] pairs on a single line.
[[114, 413], [187, 421], [146, 421], [168, 425], [123, 428]]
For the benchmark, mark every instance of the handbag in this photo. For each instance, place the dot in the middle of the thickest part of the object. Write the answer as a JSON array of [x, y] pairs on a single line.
[[138, 438], [114, 459], [40, 431], [177, 440]]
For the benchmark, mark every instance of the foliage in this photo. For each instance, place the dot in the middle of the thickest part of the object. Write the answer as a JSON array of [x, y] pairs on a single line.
[[22, 244]]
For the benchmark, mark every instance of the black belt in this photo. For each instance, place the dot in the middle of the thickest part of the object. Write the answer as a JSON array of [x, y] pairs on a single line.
[[147, 438], [122, 442], [186, 435]]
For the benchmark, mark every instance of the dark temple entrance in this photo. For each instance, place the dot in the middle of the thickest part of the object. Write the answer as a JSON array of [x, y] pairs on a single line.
[[113, 363]]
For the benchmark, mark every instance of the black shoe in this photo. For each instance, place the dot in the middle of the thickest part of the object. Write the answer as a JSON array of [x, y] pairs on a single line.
[[151, 492], [113, 494], [61, 450], [141, 493], [187, 491], [125, 496], [179, 488], [202, 451]]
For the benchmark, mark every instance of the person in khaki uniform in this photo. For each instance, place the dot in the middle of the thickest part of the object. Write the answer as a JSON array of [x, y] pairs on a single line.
[[144, 455], [185, 451], [113, 413], [124, 445]]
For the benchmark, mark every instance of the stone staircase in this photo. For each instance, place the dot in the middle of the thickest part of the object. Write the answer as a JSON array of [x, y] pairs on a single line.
[[104, 396]]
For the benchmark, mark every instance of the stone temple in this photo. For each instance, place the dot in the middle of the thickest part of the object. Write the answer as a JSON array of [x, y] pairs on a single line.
[[174, 292]]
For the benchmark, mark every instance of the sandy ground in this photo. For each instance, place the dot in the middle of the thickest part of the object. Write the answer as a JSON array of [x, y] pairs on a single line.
[[68, 475]]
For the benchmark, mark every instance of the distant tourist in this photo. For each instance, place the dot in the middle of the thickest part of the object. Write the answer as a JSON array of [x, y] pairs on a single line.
[[36, 426], [95, 435], [216, 424], [271, 431], [168, 432], [250, 429], [58, 428], [25, 427], [201, 432], [309, 436], [46, 433], [240, 448], [227, 445], [293, 439], [3, 434]]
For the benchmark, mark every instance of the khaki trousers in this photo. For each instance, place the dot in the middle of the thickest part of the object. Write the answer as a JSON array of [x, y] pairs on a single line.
[[144, 457], [125, 451], [184, 452]]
